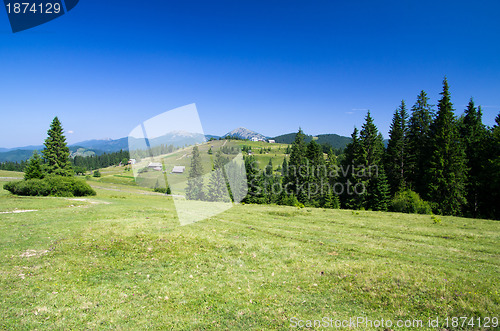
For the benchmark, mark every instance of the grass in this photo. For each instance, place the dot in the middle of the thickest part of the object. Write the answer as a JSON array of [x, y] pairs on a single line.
[[120, 260]]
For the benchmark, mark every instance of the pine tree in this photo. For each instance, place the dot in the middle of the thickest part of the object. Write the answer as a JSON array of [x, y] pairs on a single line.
[[217, 187], [350, 166], [371, 167], [474, 136], [331, 201], [269, 168], [332, 167], [378, 192], [397, 154], [284, 168], [297, 168], [194, 189], [491, 176], [56, 152], [419, 135], [372, 143], [254, 193], [446, 174], [33, 168], [317, 181]]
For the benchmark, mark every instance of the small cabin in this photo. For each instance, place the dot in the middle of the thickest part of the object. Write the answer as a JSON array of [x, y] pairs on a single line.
[[178, 169], [155, 166]]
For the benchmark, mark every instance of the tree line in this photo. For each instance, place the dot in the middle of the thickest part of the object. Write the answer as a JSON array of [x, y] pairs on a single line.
[[99, 161], [434, 159]]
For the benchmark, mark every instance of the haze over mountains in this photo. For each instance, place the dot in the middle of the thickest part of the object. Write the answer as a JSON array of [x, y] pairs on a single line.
[[100, 146]]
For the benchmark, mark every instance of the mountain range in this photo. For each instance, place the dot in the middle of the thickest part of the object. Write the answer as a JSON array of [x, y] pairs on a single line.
[[178, 139]]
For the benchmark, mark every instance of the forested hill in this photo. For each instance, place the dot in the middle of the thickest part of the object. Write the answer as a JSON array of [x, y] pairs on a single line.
[[333, 140]]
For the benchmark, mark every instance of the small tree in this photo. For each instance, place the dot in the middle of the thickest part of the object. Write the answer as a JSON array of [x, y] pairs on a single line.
[[56, 152], [217, 187], [194, 189], [34, 167], [80, 170]]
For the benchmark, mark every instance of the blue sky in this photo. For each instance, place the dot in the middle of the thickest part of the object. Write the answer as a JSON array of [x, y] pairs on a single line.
[[270, 66]]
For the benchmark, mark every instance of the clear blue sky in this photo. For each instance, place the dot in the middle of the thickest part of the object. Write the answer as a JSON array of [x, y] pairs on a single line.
[[270, 66]]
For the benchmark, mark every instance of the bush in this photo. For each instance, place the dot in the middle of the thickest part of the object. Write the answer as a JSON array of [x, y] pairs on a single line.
[[53, 186], [164, 190], [408, 201], [97, 173]]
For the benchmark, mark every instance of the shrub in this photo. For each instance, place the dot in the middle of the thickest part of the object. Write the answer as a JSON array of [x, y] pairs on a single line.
[[97, 173], [52, 185], [435, 219], [164, 190], [407, 201]]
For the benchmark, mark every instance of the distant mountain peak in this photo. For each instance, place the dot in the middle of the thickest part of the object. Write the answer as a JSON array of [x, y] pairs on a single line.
[[244, 133]]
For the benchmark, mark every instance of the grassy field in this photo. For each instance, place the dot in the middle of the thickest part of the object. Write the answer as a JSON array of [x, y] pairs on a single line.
[[120, 260]]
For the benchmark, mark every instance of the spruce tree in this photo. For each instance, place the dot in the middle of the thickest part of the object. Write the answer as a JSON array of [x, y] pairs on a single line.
[[332, 167], [331, 201], [372, 143], [33, 168], [297, 167], [474, 136], [284, 168], [254, 193], [419, 134], [217, 187], [491, 176], [397, 154], [269, 168], [317, 181], [56, 152], [350, 167], [194, 189], [378, 192], [372, 171], [446, 174]]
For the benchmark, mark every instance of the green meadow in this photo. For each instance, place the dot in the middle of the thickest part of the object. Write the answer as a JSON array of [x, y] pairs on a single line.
[[120, 260]]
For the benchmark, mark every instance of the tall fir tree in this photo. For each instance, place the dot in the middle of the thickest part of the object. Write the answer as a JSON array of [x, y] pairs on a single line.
[[284, 168], [297, 167], [349, 169], [255, 191], [491, 175], [446, 173], [419, 135], [396, 155], [372, 153], [217, 186], [332, 167], [372, 143], [317, 183], [475, 138], [194, 189], [56, 152], [378, 192], [33, 168]]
